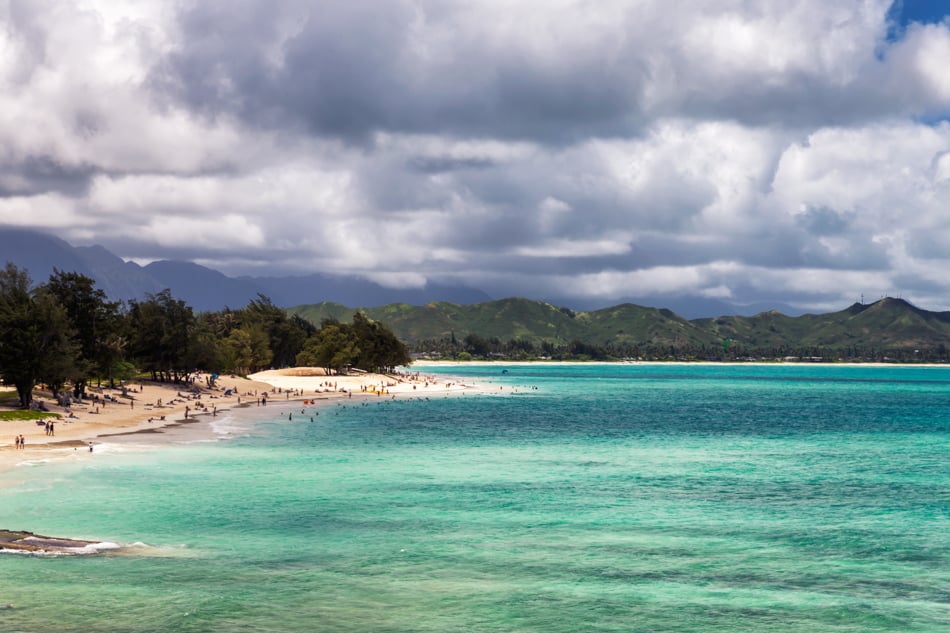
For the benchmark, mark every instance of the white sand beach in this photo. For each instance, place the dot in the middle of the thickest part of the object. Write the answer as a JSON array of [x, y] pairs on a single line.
[[149, 406]]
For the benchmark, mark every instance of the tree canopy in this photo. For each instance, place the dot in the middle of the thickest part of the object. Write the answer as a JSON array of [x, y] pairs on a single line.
[[364, 344], [67, 332], [36, 337]]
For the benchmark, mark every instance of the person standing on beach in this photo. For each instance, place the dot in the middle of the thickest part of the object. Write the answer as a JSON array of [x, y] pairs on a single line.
[[52, 429]]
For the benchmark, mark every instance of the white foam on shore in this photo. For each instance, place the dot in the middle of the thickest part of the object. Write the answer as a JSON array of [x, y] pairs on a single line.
[[229, 426], [33, 462], [107, 547], [96, 548], [4, 550], [137, 549], [112, 447], [90, 548], [140, 549]]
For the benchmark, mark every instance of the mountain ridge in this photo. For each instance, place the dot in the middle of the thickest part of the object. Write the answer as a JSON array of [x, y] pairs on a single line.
[[203, 288], [885, 324], [438, 311], [39, 252]]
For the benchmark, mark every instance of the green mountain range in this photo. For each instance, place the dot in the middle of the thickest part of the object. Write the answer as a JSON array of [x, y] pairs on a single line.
[[887, 324]]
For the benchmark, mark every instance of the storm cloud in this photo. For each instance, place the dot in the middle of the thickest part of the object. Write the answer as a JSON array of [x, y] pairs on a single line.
[[795, 153]]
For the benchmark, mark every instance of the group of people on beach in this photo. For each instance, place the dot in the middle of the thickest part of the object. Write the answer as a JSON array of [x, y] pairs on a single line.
[[20, 442]]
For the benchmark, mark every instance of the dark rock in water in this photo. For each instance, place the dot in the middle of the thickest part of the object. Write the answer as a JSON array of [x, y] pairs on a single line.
[[29, 543]]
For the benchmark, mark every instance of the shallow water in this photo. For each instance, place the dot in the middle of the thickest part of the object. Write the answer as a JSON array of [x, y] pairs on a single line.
[[653, 498]]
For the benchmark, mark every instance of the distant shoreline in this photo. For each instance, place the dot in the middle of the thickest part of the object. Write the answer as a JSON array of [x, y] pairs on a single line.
[[567, 363]]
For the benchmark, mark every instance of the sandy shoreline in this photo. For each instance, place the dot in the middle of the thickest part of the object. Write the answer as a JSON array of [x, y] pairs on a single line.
[[152, 410], [155, 412]]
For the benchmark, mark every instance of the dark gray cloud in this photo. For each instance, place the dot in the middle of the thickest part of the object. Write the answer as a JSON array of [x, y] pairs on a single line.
[[824, 221], [351, 69], [40, 174], [550, 74]]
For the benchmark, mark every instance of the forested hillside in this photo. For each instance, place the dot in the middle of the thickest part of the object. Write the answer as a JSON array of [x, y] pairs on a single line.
[[889, 329]]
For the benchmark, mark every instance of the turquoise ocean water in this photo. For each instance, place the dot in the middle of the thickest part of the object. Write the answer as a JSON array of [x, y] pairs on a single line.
[[574, 498]]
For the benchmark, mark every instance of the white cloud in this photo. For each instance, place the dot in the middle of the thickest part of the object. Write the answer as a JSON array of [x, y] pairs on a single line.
[[211, 234], [725, 149], [922, 59], [46, 211], [881, 176], [575, 248]]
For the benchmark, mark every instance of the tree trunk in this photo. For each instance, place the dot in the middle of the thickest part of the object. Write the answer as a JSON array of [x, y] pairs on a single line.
[[26, 394]]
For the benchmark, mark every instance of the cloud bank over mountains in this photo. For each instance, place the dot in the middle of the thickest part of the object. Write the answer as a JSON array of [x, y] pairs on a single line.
[[727, 149]]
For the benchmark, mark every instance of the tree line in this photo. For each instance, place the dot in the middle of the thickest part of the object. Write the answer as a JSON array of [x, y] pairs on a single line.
[[475, 347], [66, 332]]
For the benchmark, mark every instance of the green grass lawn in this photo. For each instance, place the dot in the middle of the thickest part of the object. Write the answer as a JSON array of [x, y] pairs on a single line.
[[9, 399], [26, 415]]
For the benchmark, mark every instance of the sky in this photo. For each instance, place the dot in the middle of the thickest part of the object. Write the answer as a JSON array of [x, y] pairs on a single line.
[[792, 153]]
